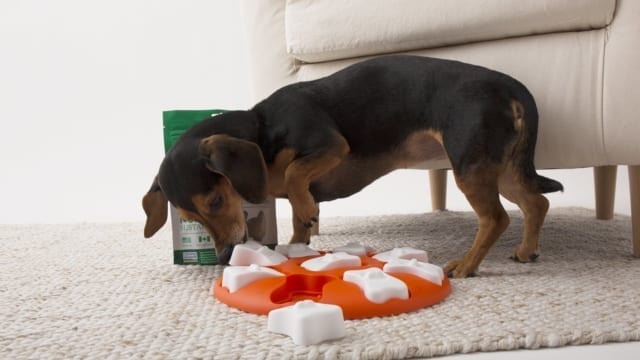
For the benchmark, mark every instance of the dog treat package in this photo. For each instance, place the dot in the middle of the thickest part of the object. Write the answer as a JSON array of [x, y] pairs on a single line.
[[192, 244]]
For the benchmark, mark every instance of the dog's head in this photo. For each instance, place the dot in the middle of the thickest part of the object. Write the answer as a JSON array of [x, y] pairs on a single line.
[[205, 175]]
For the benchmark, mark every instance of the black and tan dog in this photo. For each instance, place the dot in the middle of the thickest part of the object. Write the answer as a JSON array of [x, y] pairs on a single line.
[[325, 139]]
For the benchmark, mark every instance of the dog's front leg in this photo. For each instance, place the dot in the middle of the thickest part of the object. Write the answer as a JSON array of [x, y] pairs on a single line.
[[297, 178], [301, 232]]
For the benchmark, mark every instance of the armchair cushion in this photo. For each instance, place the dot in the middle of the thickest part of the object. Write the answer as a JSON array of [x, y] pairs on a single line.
[[318, 31]]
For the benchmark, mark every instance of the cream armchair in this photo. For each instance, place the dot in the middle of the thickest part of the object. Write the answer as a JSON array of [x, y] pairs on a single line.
[[579, 58]]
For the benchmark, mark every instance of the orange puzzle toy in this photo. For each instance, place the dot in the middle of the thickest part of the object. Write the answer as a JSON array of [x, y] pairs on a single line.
[[352, 277]]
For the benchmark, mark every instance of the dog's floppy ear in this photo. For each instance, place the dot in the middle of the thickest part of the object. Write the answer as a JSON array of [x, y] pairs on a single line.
[[241, 162], [155, 206]]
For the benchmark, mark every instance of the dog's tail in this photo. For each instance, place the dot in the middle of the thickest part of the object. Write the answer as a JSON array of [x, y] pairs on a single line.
[[525, 114]]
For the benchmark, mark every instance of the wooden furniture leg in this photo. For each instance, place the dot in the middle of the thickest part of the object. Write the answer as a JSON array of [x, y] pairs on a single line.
[[634, 193], [605, 187], [438, 188]]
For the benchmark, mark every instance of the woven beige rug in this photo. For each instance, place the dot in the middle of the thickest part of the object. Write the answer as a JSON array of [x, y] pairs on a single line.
[[102, 291]]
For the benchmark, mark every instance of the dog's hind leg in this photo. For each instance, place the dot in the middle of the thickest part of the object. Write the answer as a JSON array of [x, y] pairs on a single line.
[[480, 186], [521, 184], [534, 207]]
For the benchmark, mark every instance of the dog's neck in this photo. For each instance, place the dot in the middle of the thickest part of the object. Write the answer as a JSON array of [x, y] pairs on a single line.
[[239, 124]]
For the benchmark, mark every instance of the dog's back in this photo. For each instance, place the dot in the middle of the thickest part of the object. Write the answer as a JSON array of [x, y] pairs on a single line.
[[377, 103]]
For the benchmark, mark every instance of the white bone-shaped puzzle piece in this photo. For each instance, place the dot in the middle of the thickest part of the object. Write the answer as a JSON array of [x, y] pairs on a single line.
[[296, 250], [353, 248], [252, 244], [407, 253], [237, 277], [332, 261], [429, 272], [308, 322], [253, 252], [377, 286]]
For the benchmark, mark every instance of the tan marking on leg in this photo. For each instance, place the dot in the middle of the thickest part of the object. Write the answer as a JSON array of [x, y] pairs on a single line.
[[534, 207], [420, 146], [301, 232], [481, 189], [315, 229], [518, 112], [299, 175], [276, 171]]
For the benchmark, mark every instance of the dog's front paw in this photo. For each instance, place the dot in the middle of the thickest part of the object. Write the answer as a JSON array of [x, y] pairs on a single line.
[[309, 221], [524, 255], [306, 214], [459, 269], [300, 238]]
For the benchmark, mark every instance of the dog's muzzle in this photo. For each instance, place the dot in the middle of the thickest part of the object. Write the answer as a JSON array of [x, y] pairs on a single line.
[[225, 254]]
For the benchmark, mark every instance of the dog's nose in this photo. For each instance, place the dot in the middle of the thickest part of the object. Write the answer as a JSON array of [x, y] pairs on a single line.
[[225, 254]]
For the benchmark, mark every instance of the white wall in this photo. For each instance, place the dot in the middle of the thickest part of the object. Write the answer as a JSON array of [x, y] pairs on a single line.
[[82, 87]]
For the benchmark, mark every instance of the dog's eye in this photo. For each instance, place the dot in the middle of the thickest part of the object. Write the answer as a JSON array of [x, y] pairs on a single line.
[[216, 203]]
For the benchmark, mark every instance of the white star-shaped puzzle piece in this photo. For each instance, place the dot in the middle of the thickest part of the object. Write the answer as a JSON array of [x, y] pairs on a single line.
[[253, 252]]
